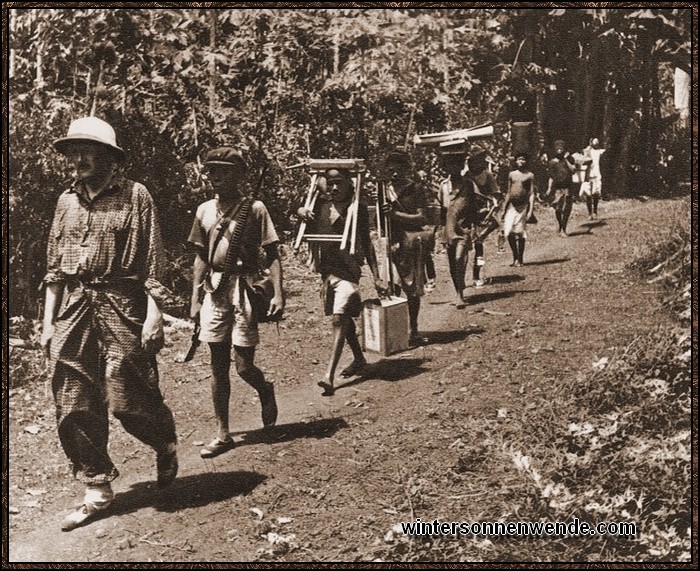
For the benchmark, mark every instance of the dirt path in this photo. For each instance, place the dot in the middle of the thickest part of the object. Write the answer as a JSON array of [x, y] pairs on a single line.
[[333, 477]]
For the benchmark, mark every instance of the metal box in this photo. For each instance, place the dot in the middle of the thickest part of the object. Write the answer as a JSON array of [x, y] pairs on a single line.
[[385, 325]]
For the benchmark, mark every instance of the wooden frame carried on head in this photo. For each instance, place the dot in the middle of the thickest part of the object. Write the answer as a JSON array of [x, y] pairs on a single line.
[[317, 167], [471, 134]]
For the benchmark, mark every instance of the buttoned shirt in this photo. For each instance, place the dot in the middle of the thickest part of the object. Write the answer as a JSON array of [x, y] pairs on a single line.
[[113, 237]]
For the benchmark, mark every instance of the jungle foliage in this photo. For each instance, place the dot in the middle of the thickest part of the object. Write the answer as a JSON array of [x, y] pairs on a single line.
[[288, 84]]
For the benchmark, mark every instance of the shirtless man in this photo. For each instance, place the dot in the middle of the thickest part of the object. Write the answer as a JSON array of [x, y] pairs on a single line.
[[518, 207]]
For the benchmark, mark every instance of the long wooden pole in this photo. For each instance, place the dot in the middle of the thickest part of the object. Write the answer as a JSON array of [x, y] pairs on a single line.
[[309, 203], [386, 223], [355, 212]]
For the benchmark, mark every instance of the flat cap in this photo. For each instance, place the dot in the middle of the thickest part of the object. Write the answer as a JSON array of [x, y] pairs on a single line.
[[225, 156]]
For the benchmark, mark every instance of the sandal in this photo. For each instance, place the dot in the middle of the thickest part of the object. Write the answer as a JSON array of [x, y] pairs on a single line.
[[354, 368], [217, 447], [328, 390], [79, 517], [97, 498]]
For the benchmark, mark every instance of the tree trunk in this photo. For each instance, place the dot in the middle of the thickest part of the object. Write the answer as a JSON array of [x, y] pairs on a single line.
[[212, 62], [98, 86], [13, 54], [39, 77], [336, 52], [446, 47]]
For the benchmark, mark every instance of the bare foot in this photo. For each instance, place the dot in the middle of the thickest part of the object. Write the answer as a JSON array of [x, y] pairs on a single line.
[[354, 368], [328, 389]]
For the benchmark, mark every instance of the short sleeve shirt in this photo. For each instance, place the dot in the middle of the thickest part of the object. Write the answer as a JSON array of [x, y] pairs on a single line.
[[259, 231]]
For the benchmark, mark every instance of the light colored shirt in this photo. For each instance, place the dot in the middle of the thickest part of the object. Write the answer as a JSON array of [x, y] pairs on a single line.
[[260, 231], [595, 155]]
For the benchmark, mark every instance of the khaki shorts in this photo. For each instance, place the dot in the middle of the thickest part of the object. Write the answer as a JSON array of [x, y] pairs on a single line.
[[342, 297], [223, 317]]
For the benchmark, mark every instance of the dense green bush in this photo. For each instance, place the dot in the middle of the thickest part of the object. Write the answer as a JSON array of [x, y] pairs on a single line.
[[292, 84]]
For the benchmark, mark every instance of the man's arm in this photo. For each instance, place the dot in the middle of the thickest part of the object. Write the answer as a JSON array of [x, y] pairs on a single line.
[[531, 198], [453, 227], [152, 335], [275, 266], [199, 272], [409, 221], [51, 305], [506, 201], [371, 255]]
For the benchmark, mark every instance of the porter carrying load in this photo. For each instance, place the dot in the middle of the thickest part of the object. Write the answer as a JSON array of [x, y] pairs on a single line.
[[385, 320], [315, 168]]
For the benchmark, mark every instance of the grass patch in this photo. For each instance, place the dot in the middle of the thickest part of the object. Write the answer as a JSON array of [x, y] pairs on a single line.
[[27, 364], [612, 444]]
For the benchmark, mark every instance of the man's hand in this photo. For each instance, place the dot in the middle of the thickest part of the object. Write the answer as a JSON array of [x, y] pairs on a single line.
[[276, 305], [45, 341], [305, 213], [195, 308], [152, 335], [372, 190], [382, 288]]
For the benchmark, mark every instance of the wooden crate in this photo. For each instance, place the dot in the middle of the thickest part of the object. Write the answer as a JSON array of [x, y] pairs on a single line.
[[385, 325]]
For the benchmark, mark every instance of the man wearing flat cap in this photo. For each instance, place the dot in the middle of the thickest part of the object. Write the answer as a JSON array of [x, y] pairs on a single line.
[[102, 325], [228, 233]]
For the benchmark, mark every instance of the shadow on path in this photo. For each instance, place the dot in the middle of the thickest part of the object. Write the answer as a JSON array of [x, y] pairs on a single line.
[[320, 428], [492, 296], [552, 261], [445, 337], [593, 224], [506, 279], [391, 370], [193, 491]]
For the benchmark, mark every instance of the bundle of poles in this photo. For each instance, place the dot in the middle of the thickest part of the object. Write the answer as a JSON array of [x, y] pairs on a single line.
[[317, 168]]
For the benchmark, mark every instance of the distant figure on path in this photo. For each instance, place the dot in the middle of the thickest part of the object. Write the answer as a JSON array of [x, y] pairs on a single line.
[[405, 208], [340, 270], [486, 201], [594, 190], [518, 207], [559, 187]]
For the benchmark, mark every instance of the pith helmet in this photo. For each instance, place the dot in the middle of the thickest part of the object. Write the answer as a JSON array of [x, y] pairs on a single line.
[[93, 130]]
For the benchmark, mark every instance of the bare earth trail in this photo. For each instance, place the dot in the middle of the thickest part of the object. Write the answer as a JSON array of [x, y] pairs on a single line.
[[336, 473]]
